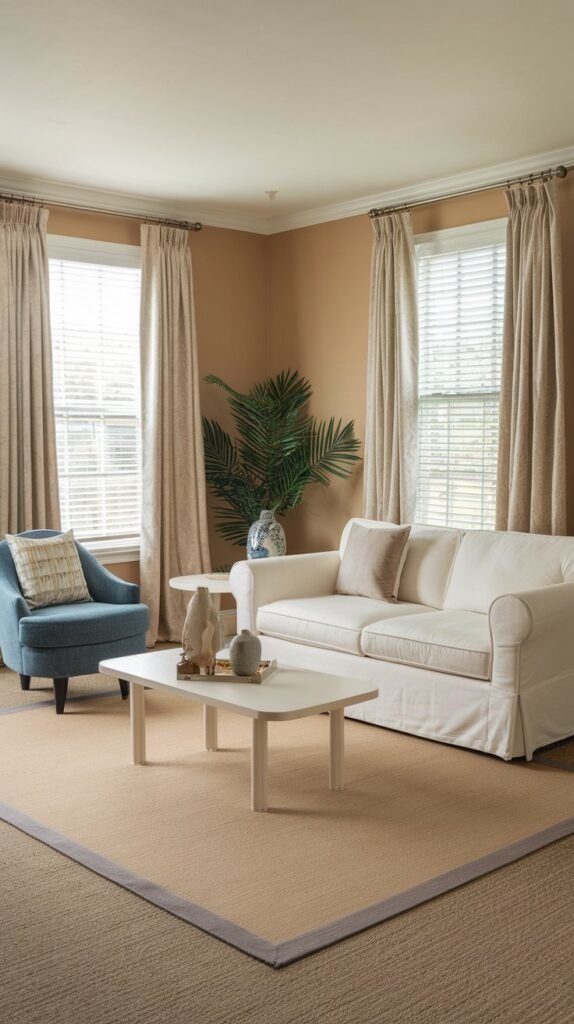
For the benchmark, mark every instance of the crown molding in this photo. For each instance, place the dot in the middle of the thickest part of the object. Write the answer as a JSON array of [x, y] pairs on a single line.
[[434, 189], [105, 200], [131, 204]]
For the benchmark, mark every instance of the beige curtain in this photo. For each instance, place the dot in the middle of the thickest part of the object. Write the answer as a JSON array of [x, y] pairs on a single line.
[[174, 518], [28, 466], [392, 375], [531, 495]]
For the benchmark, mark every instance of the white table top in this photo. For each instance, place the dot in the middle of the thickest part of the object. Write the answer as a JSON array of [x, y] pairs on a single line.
[[217, 585], [287, 693]]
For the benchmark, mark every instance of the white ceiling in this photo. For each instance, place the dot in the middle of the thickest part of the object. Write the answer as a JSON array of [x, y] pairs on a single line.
[[204, 105]]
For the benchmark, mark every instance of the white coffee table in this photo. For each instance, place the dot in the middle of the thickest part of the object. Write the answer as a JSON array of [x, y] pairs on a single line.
[[286, 694]]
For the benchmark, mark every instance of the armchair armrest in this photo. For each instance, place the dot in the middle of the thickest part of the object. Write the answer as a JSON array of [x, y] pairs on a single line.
[[263, 580], [103, 585], [13, 607], [532, 637]]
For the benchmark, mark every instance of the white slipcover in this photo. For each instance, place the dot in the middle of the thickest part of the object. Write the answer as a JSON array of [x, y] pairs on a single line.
[[429, 558], [454, 642], [335, 620], [490, 564], [490, 666]]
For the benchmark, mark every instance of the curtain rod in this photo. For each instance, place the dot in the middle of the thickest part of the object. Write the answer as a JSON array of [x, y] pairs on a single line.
[[557, 172], [13, 197]]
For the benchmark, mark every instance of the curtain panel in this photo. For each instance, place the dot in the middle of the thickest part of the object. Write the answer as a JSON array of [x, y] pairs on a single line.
[[531, 489], [392, 374], [28, 466], [174, 518]]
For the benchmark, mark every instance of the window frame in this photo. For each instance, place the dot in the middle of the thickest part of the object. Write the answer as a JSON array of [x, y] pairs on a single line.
[[83, 250], [460, 239]]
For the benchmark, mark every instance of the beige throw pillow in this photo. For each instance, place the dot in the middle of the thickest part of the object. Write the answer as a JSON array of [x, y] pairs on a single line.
[[372, 562], [49, 569]]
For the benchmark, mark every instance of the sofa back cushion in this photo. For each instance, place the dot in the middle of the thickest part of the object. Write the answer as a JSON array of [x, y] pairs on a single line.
[[491, 563], [430, 555]]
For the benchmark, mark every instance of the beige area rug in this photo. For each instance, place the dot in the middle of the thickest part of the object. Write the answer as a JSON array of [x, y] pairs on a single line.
[[41, 691], [416, 818]]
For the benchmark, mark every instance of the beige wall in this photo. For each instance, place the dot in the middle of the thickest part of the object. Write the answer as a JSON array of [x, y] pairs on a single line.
[[230, 271], [319, 322]]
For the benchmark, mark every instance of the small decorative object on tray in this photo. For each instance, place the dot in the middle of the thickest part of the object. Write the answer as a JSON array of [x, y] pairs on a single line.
[[223, 673], [245, 653], [202, 634], [217, 575]]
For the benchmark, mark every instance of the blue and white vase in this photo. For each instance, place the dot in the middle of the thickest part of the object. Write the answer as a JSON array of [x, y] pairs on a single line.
[[266, 537]]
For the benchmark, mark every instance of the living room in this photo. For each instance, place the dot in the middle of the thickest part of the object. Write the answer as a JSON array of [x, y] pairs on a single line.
[[342, 236]]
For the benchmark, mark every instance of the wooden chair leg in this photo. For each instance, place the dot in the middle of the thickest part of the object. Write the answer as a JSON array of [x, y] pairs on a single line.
[[24, 682], [60, 692], [125, 688]]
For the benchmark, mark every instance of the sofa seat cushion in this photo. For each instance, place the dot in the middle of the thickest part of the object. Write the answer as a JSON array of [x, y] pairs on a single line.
[[335, 621], [454, 642], [73, 625]]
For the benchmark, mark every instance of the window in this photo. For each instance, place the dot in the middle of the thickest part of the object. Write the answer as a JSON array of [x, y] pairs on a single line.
[[94, 304], [461, 304]]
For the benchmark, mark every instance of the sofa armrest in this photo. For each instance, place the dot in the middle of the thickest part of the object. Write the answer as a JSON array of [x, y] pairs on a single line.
[[13, 607], [263, 580], [532, 636], [103, 585]]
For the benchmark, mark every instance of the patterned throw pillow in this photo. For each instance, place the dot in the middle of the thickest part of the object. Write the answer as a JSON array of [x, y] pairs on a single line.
[[49, 569]]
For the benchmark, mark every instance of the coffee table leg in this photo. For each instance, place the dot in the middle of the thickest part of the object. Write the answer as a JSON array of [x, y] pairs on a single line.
[[259, 765], [210, 727], [137, 721], [336, 748]]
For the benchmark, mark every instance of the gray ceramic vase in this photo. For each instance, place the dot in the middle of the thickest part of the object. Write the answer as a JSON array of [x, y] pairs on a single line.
[[266, 537], [245, 653]]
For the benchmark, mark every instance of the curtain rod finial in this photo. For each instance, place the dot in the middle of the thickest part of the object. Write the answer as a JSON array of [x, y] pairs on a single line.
[[561, 171]]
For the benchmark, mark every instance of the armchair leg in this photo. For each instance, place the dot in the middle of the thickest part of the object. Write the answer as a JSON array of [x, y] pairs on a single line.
[[24, 682], [125, 688], [60, 692]]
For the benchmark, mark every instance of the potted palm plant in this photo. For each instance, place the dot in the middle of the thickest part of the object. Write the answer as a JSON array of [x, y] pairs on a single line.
[[278, 449]]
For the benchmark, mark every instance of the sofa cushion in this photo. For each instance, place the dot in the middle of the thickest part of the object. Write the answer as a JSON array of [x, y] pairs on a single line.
[[429, 559], [74, 625], [491, 563], [454, 642], [335, 621]]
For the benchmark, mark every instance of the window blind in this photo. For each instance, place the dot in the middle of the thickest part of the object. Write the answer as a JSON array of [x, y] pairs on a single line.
[[94, 308], [461, 305]]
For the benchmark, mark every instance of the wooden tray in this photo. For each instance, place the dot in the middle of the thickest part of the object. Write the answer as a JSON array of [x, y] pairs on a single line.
[[223, 673]]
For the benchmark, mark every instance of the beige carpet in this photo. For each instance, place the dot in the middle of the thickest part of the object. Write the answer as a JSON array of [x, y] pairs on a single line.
[[41, 689], [413, 811]]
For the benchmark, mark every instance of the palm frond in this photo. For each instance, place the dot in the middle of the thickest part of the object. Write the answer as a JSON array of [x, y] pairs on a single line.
[[278, 449]]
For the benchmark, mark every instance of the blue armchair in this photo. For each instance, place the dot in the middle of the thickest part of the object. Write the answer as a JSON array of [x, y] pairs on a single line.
[[69, 639]]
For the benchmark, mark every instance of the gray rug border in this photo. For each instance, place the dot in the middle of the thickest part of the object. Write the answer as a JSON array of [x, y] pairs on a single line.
[[281, 954], [193, 913]]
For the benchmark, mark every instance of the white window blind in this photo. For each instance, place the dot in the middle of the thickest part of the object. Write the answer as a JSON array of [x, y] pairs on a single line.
[[461, 304], [94, 304]]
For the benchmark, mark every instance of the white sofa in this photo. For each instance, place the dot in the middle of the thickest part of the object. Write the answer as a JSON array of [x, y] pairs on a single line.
[[478, 651]]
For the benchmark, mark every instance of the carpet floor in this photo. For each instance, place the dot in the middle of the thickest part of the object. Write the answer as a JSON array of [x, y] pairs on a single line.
[[76, 948]]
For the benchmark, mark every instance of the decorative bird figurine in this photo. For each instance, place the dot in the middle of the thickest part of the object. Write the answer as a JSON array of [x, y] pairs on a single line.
[[202, 635]]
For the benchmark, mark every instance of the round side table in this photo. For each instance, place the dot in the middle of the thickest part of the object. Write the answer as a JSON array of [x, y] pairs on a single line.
[[216, 583]]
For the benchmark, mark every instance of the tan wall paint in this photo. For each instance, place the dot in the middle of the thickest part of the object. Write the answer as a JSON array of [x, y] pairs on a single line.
[[319, 292], [129, 571], [230, 270]]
